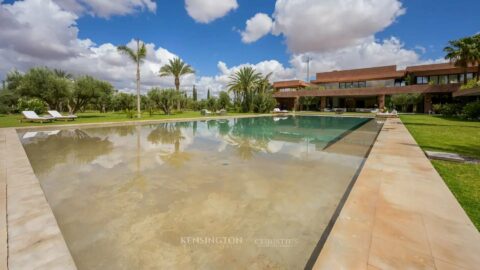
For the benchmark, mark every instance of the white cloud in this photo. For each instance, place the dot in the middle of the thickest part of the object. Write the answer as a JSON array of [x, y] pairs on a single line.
[[107, 8], [368, 53], [257, 27], [206, 11], [319, 26]]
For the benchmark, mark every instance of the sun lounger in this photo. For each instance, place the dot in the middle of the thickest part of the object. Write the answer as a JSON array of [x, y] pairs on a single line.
[[205, 112], [221, 112], [277, 110], [31, 116], [58, 116]]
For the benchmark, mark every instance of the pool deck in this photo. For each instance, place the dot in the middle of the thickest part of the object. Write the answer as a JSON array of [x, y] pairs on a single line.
[[399, 215]]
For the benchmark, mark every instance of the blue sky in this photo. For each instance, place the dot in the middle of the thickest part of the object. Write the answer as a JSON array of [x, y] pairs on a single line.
[[80, 35]]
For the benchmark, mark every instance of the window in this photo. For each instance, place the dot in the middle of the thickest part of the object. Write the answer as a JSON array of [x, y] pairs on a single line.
[[469, 77], [399, 82], [362, 84], [443, 79], [453, 78], [348, 85], [355, 84], [434, 79], [342, 85], [422, 80]]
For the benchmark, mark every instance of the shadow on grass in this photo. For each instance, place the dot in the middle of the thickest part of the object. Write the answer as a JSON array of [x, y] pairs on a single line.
[[439, 125], [470, 151]]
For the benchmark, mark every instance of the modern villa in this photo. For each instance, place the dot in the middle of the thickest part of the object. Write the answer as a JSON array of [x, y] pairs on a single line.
[[368, 88]]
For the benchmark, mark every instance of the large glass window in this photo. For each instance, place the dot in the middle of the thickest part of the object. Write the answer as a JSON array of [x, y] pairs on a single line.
[[342, 85], [433, 79], [422, 80], [362, 84], [453, 78], [443, 79], [355, 85]]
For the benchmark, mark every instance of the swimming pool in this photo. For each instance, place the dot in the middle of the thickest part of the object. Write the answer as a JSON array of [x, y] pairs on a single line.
[[239, 193]]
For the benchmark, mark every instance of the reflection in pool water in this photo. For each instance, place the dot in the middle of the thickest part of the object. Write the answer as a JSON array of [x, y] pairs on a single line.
[[251, 193]]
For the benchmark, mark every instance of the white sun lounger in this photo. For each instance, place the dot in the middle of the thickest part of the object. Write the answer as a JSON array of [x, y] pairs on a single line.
[[58, 116], [33, 117]]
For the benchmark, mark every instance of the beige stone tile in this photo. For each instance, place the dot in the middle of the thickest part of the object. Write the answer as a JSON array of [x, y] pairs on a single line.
[[441, 265], [400, 225], [388, 254], [457, 244]]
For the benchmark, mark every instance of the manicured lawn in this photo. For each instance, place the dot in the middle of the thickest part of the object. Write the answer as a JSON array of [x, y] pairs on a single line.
[[96, 117], [456, 136], [464, 181], [444, 134]]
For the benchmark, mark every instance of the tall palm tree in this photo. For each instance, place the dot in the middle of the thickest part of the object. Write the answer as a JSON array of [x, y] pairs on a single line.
[[138, 57], [62, 74], [461, 54], [244, 82], [176, 68], [476, 53]]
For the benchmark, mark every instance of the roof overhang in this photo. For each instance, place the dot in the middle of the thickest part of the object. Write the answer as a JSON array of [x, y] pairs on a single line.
[[422, 89], [467, 93]]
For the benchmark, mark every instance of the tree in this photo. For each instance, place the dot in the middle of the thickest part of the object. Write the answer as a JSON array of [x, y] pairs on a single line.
[[462, 53], [194, 93], [476, 53], [164, 99], [62, 74], [138, 57], [176, 68], [87, 89], [243, 84], [208, 93], [223, 100], [42, 83]]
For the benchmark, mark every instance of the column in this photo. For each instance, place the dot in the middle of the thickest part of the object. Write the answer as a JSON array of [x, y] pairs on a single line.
[[427, 103], [381, 102], [323, 103], [296, 103]]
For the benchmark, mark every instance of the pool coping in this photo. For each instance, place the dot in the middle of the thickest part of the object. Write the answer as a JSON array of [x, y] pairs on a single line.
[[363, 236]]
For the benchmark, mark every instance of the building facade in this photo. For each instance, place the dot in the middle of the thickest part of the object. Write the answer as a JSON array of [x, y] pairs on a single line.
[[369, 88]]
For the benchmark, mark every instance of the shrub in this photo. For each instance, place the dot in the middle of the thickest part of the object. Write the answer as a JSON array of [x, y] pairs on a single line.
[[264, 103], [472, 110], [448, 110], [33, 104], [470, 84]]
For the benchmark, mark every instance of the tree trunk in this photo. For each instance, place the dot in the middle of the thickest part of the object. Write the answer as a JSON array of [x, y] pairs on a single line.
[[465, 80], [177, 86], [139, 113]]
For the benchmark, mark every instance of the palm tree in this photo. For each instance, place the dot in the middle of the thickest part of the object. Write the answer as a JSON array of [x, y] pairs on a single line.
[[244, 82], [138, 58], [461, 52], [176, 68], [62, 74], [476, 53]]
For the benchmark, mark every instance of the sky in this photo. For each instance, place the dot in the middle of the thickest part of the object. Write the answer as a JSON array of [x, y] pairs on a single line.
[[218, 37]]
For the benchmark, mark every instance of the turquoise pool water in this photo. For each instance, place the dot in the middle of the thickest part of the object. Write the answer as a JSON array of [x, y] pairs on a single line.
[[252, 193]]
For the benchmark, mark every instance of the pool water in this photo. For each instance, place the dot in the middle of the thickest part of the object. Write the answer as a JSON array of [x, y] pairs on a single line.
[[241, 193]]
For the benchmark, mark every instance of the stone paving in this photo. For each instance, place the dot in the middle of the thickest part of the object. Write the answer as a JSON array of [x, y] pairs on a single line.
[[400, 214]]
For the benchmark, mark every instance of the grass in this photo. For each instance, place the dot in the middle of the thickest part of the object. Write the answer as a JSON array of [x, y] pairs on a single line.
[[13, 120], [445, 134], [456, 136], [464, 181]]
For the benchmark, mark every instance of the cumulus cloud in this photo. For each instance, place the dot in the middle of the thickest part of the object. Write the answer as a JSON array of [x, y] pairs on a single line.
[[206, 11], [320, 26], [107, 9], [257, 27]]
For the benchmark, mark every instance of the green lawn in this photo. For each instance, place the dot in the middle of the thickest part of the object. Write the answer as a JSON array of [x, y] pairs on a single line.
[[456, 136], [96, 117], [444, 134]]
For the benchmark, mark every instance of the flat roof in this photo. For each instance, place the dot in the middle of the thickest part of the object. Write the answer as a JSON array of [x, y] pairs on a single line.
[[362, 74], [291, 84]]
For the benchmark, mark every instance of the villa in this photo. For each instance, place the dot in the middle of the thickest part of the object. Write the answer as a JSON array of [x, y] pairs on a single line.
[[367, 88]]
